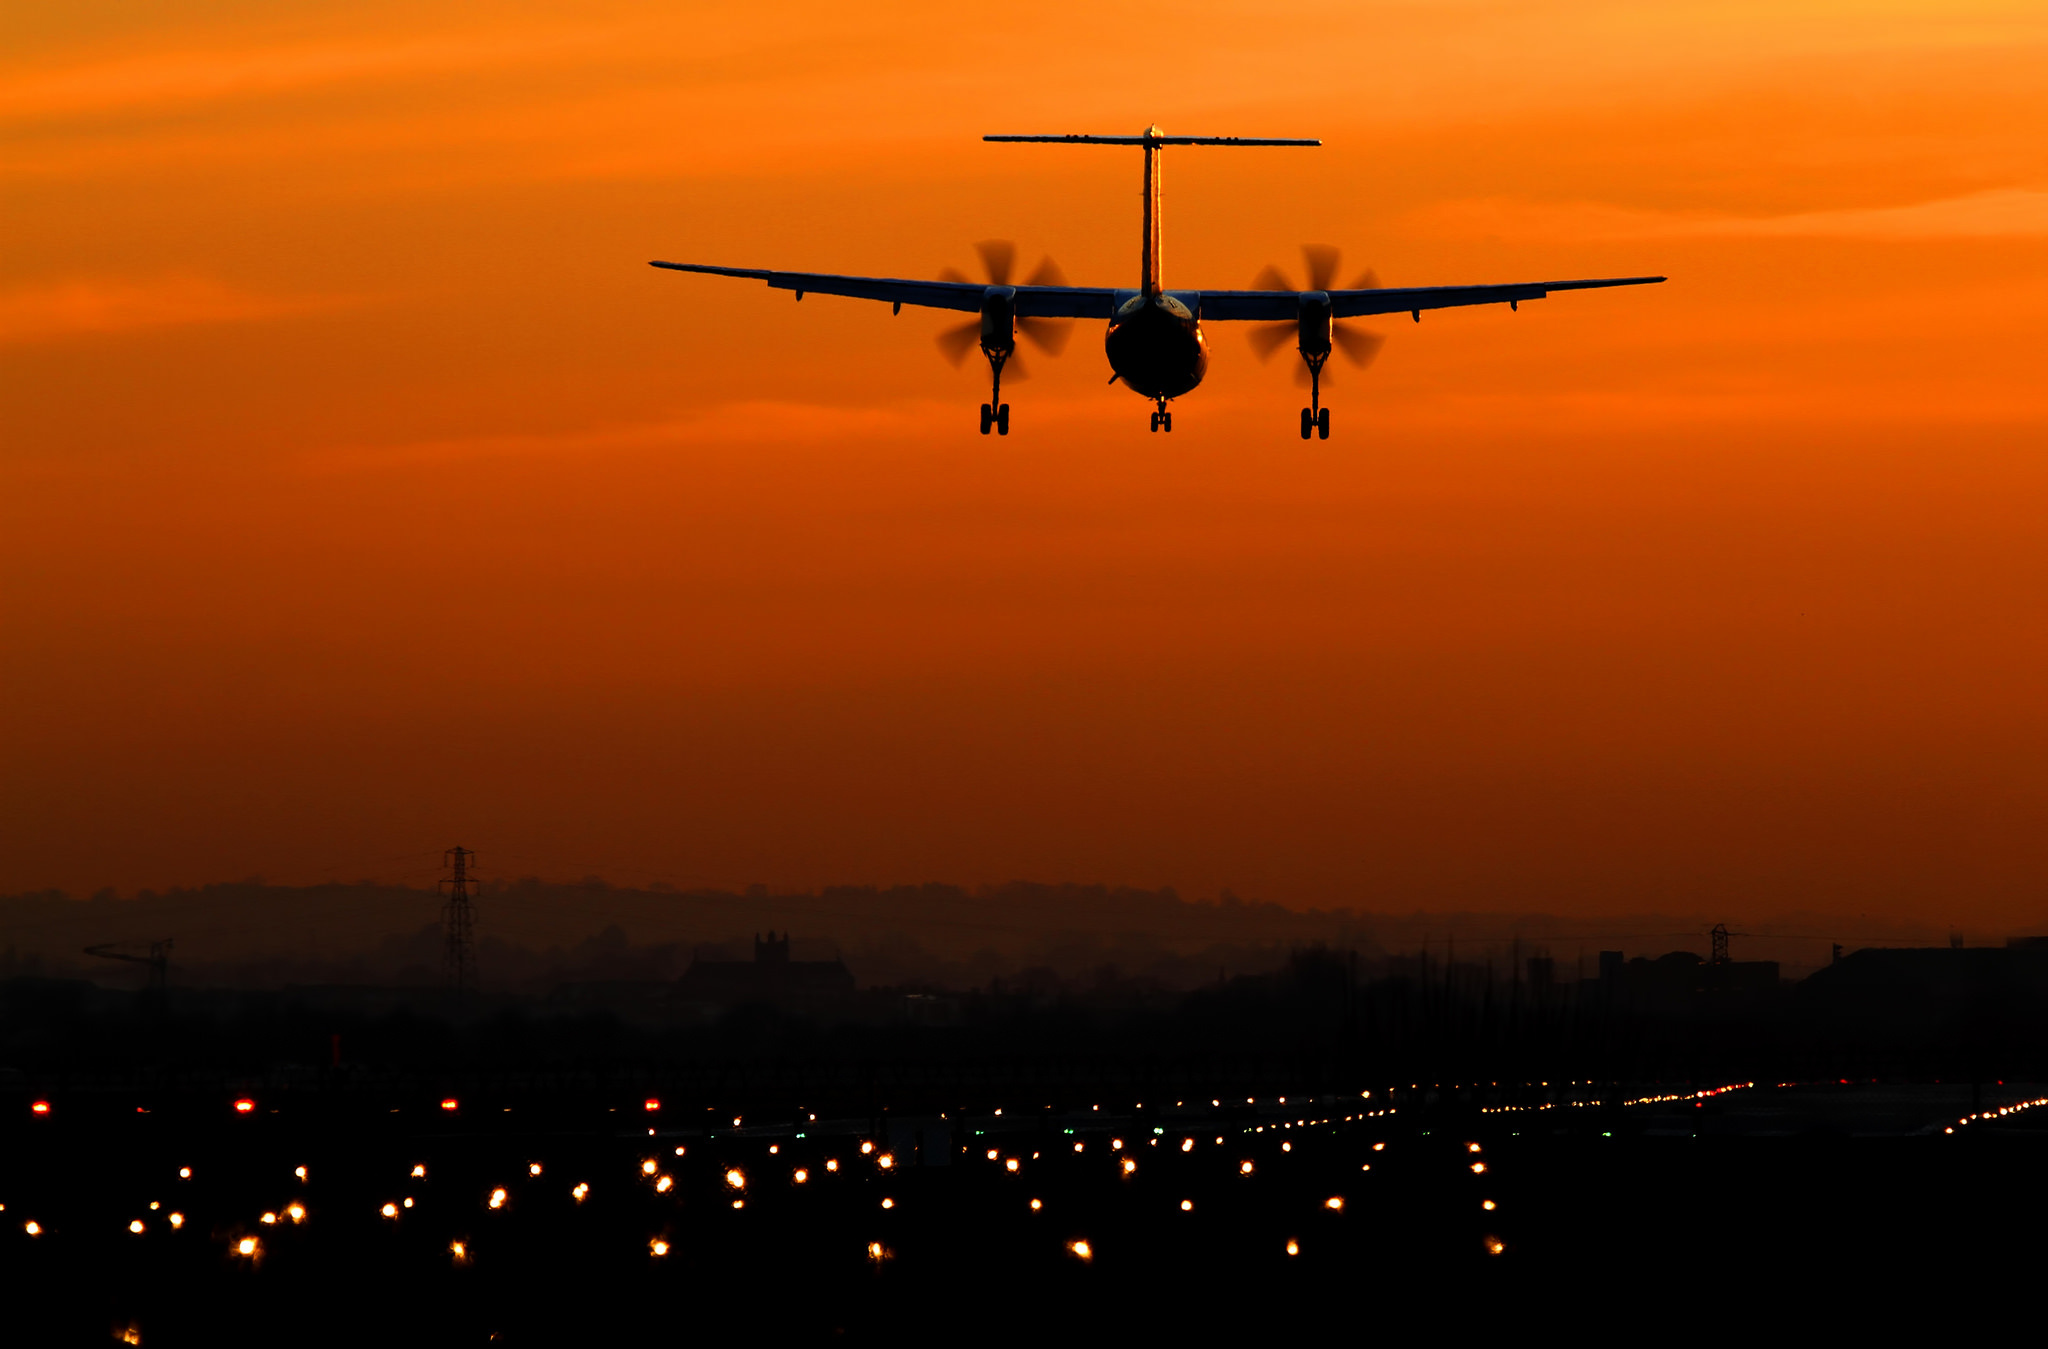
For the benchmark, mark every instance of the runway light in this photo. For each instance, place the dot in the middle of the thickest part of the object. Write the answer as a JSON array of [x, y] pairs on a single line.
[[1187, 1145], [648, 1167], [1479, 1168], [136, 1227], [1244, 1168], [419, 1173], [657, 1247], [1379, 1147], [1335, 1203], [184, 1173], [32, 1227], [736, 1179], [1037, 1204], [1129, 1166], [296, 1212], [1471, 1147], [244, 1106], [1488, 1205], [176, 1220], [1078, 1146], [885, 1161], [877, 1252], [533, 1168], [739, 1203], [497, 1199], [407, 1202], [1082, 1250], [1287, 1147], [652, 1104], [268, 1220], [1116, 1144], [866, 1148], [300, 1173], [153, 1206], [1494, 1246], [249, 1246], [664, 1184], [459, 1251], [451, 1104], [389, 1210], [1294, 1248], [801, 1175], [1010, 1165], [888, 1203], [1187, 1206], [991, 1154], [581, 1192], [831, 1163]]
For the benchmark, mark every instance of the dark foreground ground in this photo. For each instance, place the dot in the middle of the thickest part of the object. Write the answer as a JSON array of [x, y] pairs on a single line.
[[1811, 1208]]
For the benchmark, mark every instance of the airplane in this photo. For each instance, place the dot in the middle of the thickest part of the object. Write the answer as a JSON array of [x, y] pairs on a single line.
[[1154, 342]]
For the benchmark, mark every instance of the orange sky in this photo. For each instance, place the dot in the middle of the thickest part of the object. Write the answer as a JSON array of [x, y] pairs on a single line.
[[362, 491]]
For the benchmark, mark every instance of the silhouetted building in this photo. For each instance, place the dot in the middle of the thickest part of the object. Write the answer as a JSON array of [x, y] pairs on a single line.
[[771, 977]]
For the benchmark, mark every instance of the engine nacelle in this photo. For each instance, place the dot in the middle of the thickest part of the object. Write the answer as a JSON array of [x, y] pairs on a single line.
[[1316, 318], [999, 320]]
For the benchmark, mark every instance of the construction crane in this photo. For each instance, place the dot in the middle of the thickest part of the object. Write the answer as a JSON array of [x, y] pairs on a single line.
[[158, 959]]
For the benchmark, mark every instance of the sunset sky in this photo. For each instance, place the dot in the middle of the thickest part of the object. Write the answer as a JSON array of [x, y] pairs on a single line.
[[363, 492]]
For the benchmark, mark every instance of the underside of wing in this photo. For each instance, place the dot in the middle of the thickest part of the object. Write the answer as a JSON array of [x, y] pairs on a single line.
[[1270, 305], [1072, 302]]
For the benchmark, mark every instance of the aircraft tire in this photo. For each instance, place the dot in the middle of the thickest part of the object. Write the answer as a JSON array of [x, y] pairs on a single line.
[[1003, 420], [1323, 424], [988, 418], [1308, 423]]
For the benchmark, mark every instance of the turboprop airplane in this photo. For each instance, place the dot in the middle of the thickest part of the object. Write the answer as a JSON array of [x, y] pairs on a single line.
[[1154, 341]]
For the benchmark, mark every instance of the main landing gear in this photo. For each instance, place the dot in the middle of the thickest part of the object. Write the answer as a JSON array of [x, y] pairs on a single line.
[[1162, 420], [1315, 418], [995, 412]]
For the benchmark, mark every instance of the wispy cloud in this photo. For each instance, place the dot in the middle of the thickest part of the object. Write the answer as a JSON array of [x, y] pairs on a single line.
[[71, 309], [2006, 212]]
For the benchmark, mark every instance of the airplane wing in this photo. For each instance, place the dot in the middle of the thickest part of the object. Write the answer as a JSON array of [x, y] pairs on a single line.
[[1052, 302], [1283, 304]]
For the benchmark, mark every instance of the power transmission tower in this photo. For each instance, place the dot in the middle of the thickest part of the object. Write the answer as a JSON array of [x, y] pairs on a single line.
[[458, 954], [158, 960]]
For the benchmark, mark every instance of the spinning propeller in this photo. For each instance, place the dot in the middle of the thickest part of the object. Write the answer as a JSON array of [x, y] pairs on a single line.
[[999, 259], [1358, 345]]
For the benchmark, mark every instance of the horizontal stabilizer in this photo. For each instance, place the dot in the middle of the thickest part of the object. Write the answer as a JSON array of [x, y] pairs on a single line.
[[1153, 140]]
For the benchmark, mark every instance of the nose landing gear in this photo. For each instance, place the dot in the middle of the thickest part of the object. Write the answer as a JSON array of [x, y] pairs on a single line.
[[1315, 418], [1162, 420], [997, 416]]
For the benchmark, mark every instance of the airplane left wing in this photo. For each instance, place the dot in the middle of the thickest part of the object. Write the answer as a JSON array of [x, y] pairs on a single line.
[[1052, 302], [1285, 304]]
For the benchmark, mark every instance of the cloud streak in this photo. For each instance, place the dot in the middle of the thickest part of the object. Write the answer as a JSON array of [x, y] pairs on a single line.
[[90, 307], [2001, 213]]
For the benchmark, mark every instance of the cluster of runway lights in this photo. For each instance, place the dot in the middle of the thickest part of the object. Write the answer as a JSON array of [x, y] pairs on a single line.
[[2001, 1112], [251, 1247]]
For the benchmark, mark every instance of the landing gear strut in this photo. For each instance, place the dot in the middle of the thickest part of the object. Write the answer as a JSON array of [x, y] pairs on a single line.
[[995, 412], [1315, 418], [1162, 420]]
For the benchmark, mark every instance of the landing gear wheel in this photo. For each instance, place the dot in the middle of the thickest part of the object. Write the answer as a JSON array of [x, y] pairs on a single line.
[[1003, 420], [988, 418], [1308, 423], [1166, 421], [1323, 424]]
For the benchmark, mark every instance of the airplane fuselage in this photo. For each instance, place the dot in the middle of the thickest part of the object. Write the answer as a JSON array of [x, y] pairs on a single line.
[[1155, 344]]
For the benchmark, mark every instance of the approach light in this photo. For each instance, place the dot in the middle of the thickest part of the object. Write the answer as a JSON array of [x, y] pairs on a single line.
[[1082, 1250], [1494, 1246], [459, 1251], [296, 1212], [736, 1179], [1129, 1166], [419, 1173], [801, 1175], [1488, 1205], [184, 1173], [648, 1168], [1479, 1168], [389, 1210], [32, 1227], [866, 1148], [1294, 1248], [1037, 1204], [1010, 1165], [176, 1220], [1335, 1203], [657, 1247], [1187, 1206], [1244, 1168], [136, 1227], [1187, 1145], [831, 1163], [888, 1203], [300, 1173], [581, 1192], [497, 1199], [248, 1246], [268, 1220]]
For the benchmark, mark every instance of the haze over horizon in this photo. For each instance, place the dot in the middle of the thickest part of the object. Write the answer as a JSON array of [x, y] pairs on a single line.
[[364, 492]]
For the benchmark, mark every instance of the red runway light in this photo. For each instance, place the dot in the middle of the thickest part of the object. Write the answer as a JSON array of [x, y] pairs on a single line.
[[40, 1108], [449, 1104], [653, 1104], [244, 1106]]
